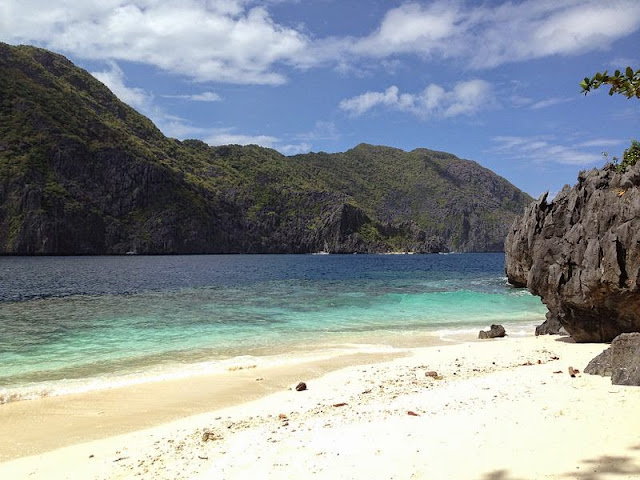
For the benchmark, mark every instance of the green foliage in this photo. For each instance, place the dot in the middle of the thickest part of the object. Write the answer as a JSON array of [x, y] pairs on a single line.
[[626, 83], [87, 154], [369, 233], [631, 156]]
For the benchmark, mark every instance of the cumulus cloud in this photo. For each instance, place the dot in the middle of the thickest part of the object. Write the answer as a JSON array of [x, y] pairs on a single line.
[[228, 136], [465, 98], [227, 41], [412, 28], [543, 150], [294, 149], [238, 41], [362, 103], [488, 35], [181, 129]]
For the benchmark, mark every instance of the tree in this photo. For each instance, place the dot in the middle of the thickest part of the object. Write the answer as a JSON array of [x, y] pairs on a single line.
[[627, 83]]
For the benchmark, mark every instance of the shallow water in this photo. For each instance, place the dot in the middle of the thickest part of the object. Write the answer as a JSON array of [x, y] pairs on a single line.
[[73, 324]]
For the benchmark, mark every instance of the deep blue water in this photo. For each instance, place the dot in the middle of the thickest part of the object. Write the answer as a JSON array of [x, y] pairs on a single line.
[[73, 323]]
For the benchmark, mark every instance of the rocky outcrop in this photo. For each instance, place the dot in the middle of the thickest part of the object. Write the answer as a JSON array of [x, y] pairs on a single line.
[[621, 361], [551, 326], [581, 254], [496, 331]]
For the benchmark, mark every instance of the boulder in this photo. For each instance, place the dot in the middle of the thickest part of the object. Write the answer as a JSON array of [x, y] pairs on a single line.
[[580, 253], [600, 365], [495, 332], [621, 360], [625, 359]]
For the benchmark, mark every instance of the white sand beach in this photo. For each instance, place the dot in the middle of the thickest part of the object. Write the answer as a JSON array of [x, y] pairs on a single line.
[[502, 409]]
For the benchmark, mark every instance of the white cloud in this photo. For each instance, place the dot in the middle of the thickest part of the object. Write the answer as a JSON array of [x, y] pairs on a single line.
[[412, 28], [602, 142], [144, 102], [486, 35], [465, 98], [226, 136], [227, 41], [294, 149], [180, 128], [114, 79], [206, 97], [238, 41], [322, 131], [620, 63], [545, 150], [549, 102], [198, 97], [360, 104], [520, 101]]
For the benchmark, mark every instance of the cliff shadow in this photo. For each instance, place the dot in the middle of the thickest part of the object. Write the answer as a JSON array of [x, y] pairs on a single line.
[[565, 339], [500, 475], [605, 467], [608, 466]]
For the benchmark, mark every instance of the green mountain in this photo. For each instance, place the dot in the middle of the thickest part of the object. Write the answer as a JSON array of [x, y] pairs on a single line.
[[83, 173]]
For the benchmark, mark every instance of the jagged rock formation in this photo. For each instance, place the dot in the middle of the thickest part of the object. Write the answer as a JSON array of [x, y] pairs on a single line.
[[581, 254], [83, 173], [621, 360]]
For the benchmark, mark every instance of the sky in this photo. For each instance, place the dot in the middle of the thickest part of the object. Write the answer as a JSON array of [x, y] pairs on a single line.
[[492, 81]]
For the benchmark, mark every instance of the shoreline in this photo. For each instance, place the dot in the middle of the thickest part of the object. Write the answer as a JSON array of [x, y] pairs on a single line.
[[295, 353], [497, 403], [103, 413]]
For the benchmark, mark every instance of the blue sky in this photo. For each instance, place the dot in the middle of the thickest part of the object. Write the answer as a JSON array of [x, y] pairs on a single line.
[[490, 81]]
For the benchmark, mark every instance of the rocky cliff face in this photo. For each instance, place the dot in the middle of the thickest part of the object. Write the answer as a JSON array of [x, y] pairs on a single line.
[[581, 254]]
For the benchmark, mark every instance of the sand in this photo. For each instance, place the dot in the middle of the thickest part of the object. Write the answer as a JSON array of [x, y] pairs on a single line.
[[502, 409]]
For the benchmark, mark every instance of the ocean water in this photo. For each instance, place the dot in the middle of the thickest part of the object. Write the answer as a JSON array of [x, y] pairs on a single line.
[[72, 324]]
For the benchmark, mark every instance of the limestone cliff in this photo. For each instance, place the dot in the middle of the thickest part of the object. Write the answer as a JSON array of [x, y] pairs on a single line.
[[581, 254], [83, 173]]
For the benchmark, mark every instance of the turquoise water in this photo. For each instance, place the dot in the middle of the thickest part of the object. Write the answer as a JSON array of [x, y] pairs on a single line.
[[79, 323]]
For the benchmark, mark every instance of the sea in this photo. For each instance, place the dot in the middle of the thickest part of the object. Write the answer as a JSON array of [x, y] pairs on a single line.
[[76, 324]]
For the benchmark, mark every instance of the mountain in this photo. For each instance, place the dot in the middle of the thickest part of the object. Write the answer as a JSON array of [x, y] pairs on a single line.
[[83, 173]]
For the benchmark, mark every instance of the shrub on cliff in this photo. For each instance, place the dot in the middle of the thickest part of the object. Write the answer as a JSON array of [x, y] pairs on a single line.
[[631, 156]]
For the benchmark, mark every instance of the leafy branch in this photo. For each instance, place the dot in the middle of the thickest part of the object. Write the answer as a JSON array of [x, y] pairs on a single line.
[[626, 83]]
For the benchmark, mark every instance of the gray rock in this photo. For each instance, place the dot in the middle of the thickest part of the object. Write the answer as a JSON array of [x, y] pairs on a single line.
[[581, 254], [495, 332], [621, 361], [551, 326], [625, 359], [600, 365]]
